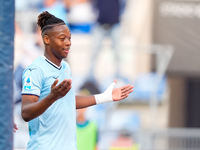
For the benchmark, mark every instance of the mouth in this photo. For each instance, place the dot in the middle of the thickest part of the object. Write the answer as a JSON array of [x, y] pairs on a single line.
[[66, 50]]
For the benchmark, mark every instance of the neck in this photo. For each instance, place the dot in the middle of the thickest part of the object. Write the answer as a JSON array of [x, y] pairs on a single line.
[[53, 59]]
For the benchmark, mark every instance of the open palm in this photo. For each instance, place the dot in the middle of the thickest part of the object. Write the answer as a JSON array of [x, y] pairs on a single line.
[[122, 92]]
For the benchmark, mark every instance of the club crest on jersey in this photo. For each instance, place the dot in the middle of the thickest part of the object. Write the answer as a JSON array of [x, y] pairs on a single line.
[[27, 84]]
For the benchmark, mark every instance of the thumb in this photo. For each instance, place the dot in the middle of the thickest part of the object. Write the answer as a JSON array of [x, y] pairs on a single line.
[[109, 90], [55, 82], [115, 81]]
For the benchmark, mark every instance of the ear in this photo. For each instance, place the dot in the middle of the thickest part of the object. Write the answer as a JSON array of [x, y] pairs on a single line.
[[46, 40]]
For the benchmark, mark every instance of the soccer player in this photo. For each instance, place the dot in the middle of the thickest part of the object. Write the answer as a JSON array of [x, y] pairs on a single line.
[[48, 99]]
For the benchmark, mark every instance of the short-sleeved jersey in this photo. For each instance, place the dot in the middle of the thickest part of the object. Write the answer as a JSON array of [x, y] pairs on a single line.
[[55, 129]]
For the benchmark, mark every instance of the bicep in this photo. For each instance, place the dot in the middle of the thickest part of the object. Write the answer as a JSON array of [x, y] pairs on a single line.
[[27, 99]]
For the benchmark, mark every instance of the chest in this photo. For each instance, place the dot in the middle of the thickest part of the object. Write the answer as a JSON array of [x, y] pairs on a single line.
[[52, 76]]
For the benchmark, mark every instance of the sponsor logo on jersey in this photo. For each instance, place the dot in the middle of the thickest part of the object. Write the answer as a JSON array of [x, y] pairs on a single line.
[[27, 84], [32, 69], [55, 77]]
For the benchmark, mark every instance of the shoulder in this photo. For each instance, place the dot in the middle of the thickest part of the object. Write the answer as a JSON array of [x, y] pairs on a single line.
[[35, 67], [39, 61]]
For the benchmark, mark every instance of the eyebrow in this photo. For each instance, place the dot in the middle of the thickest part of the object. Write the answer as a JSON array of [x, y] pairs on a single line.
[[62, 34]]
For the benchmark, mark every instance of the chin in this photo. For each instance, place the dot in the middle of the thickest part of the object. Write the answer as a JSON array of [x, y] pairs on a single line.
[[65, 56]]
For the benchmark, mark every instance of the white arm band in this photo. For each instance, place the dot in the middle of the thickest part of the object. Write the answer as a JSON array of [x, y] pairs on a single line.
[[106, 96]]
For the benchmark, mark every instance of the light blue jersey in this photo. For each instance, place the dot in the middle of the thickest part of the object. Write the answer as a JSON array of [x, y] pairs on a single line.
[[55, 129]]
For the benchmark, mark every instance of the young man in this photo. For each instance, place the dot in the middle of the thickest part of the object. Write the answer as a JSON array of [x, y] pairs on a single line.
[[48, 99]]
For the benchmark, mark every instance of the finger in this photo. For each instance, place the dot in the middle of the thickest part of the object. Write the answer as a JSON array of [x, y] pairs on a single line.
[[64, 91], [67, 89], [62, 83], [127, 92], [66, 86], [115, 81], [15, 127], [127, 88], [55, 83], [69, 82], [124, 96]]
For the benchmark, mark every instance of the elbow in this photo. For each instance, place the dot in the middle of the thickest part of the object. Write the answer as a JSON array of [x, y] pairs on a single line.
[[25, 117]]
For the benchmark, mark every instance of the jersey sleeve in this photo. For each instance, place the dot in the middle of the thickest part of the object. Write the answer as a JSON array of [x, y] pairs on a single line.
[[32, 81]]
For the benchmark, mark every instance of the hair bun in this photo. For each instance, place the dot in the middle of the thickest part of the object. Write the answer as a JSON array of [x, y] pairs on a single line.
[[46, 20], [42, 18]]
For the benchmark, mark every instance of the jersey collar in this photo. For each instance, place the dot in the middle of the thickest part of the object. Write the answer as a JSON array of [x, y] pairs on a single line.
[[50, 62]]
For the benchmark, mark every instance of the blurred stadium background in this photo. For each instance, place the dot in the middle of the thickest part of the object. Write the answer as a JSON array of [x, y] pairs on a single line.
[[159, 55]]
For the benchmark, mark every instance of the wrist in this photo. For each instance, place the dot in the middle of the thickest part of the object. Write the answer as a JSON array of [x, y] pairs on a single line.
[[50, 99], [102, 98], [105, 96]]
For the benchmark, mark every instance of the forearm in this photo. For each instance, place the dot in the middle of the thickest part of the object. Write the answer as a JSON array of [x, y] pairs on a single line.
[[85, 101], [35, 109]]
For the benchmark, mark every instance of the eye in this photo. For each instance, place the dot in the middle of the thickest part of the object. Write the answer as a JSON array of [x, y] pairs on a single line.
[[62, 39]]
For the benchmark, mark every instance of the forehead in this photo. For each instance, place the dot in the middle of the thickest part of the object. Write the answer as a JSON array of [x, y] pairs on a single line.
[[60, 30]]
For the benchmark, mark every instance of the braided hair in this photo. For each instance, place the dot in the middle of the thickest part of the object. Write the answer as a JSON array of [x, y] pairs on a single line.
[[47, 21]]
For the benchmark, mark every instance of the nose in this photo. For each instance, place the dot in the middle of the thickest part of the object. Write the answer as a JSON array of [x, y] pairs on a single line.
[[68, 42]]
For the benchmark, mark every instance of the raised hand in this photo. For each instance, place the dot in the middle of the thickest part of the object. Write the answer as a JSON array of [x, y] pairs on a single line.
[[58, 91], [122, 92]]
